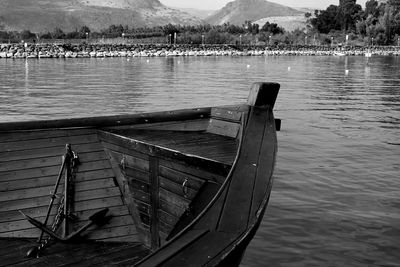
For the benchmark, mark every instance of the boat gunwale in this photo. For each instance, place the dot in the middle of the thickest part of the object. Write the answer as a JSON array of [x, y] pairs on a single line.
[[109, 121]]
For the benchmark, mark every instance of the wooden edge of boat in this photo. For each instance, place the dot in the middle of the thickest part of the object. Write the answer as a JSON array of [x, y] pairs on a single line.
[[220, 234], [108, 121]]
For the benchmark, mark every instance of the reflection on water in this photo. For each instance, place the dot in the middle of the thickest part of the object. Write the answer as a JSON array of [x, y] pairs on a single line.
[[336, 195]]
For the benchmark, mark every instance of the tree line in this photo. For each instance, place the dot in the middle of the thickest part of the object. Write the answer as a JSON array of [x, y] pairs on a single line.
[[195, 34], [377, 24]]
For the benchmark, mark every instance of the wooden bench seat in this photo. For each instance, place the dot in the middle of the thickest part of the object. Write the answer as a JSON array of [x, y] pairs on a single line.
[[202, 144]]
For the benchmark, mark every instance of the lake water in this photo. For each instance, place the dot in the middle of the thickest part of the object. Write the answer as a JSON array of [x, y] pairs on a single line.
[[336, 194]]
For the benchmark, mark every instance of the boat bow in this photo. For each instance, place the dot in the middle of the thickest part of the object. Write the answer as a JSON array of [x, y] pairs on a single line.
[[221, 232]]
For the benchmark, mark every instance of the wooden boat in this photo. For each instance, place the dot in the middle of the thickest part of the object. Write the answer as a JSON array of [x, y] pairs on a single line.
[[176, 188]]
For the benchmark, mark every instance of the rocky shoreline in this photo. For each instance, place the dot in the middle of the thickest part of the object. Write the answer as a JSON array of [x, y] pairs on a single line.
[[25, 50]]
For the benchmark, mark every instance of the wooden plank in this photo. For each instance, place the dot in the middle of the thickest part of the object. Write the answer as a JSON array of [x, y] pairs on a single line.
[[227, 114], [119, 231], [165, 228], [48, 161], [135, 185], [146, 220], [51, 171], [127, 238], [89, 175], [115, 221], [141, 196], [6, 227], [42, 134], [49, 142], [130, 161], [163, 255], [177, 189], [224, 128], [81, 215], [143, 207], [44, 200], [203, 251], [50, 180], [98, 203], [202, 199], [189, 125], [243, 178], [29, 164], [22, 226], [97, 193], [123, 184], [107, 121], [174, 199], [218, 177], [26, 193], [73, 254], [94, 184], [123, 149], [25, 233], [121, 210], [28, 153], [44, 191], [23, 203], [62, 254], [137, 175], [154, 202], [178, 177], [210, 218], [263, 183], [172, 209], [38, 211], [130, 254], [167, 153]]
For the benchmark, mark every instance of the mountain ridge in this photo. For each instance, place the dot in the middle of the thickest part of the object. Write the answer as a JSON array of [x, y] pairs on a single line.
[[239, 11], [69, 15]]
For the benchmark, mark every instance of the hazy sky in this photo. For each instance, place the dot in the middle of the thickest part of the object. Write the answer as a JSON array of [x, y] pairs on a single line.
[[217, 4]]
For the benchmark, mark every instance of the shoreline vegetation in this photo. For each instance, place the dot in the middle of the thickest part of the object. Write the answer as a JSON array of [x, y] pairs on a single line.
[[101, 50]]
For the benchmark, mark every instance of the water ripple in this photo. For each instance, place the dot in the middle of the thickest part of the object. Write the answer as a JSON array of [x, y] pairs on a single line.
[[336, 195]]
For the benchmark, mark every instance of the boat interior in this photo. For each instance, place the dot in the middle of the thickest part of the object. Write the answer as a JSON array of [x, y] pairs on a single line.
[[154, 173]]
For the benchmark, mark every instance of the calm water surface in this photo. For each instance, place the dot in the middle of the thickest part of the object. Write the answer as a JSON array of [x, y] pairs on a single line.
[[336, 195]]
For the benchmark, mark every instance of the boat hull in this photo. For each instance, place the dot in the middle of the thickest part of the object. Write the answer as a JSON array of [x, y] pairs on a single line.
[[191, 186]]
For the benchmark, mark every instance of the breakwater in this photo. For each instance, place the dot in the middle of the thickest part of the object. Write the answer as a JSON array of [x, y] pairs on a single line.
[[25, 50]]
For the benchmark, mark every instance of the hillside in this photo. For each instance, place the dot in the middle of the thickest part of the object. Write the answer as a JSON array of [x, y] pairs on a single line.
[[289, 23], [237, 12], [45, 15], [199, 13]]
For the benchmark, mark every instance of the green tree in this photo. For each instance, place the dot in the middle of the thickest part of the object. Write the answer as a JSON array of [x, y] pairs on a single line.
[[371, 9], [326, 20], [26, 34], [349, 13], [58, 34], [272, 28], [84, 31], [170, 29]]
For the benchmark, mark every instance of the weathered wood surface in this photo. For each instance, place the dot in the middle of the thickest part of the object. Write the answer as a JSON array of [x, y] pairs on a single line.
[[80, 254], [108, 121], [202, 144], [29, 165], [155, 180], [232, 217]]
